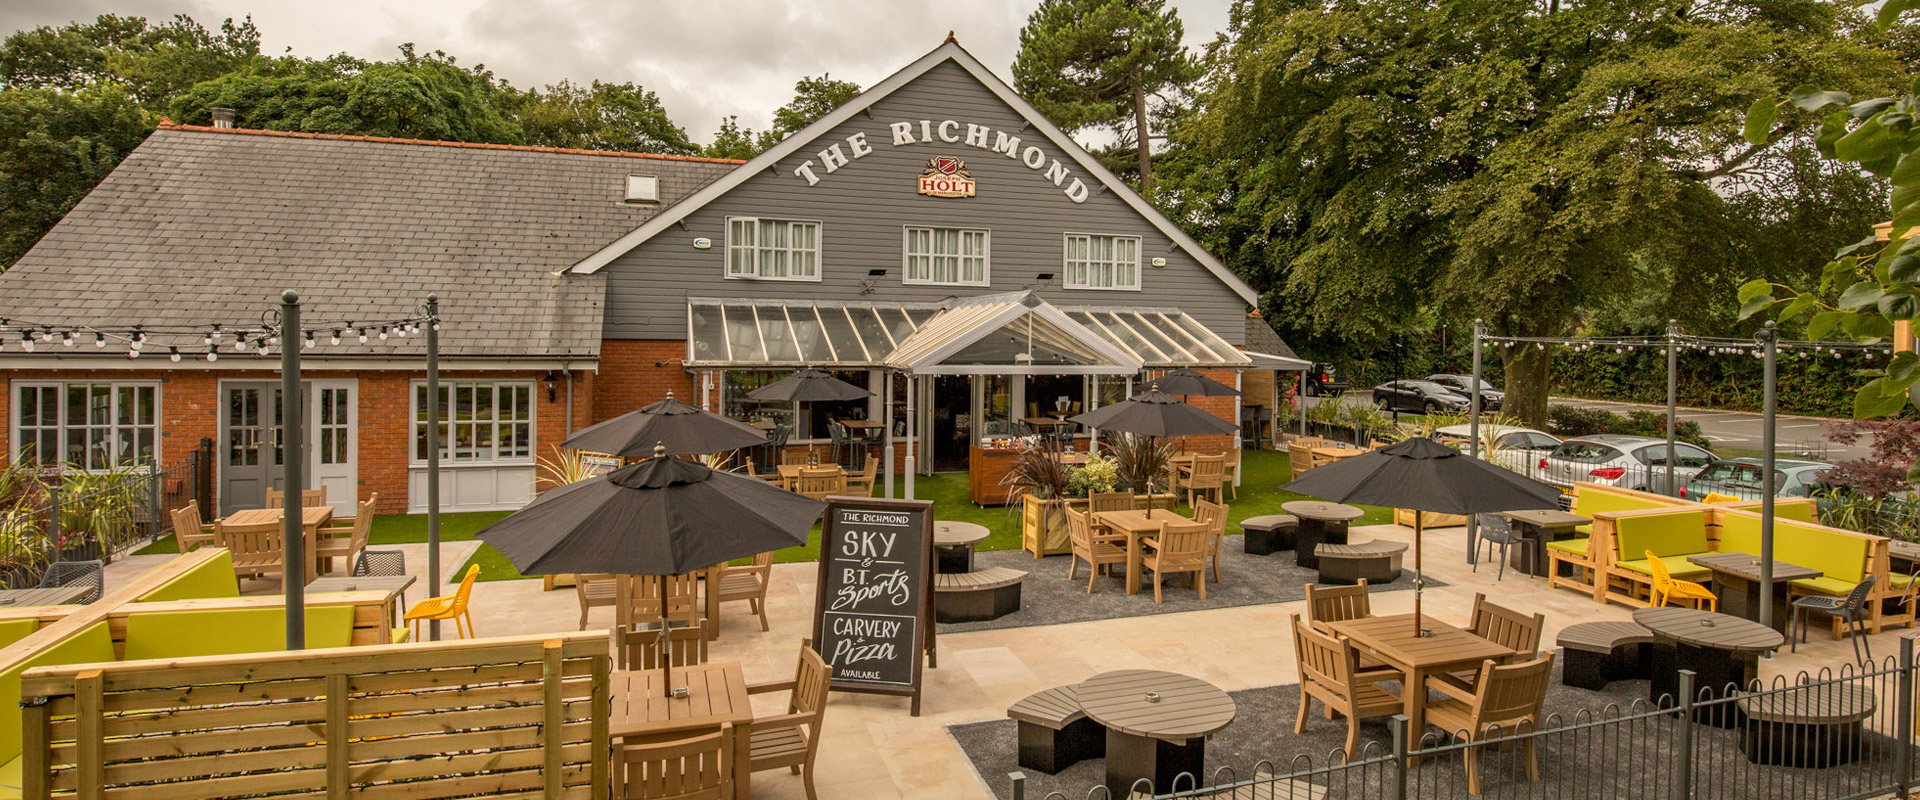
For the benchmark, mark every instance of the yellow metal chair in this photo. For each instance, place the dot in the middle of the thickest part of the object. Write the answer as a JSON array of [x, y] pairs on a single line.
[[1666, 589], [1716, 497], [453, 608]]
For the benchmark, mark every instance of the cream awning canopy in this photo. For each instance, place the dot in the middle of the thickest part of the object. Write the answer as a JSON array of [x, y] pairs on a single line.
[[1008, 333]]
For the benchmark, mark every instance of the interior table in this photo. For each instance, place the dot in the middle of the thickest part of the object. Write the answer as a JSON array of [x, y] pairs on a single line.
[[716, 693], [311, 519], [395, 587], [1537, 527], [1157, 725], [1320, 523], [1437, 649], [954, 543], [49, 596], [1736, 581], [1721, 650], [1136, 525], [865, 431]]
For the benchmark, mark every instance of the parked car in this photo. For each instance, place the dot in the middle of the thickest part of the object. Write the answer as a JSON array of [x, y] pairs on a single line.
[[1514, 447], [1491, 399], [1323, 381], [1740, 477], [1633, 462], [1419, 397]]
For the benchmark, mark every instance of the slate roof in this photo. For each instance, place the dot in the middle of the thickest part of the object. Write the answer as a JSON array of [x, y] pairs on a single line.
[[1262, 338], [200, 225]]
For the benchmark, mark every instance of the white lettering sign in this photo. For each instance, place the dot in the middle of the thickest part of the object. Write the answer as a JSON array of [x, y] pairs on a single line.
[[903, 134]]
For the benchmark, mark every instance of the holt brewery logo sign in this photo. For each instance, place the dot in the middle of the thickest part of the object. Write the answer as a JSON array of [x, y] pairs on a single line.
[[946, 176]]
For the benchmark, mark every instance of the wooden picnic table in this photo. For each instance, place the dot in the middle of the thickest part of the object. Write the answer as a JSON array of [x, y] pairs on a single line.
[[1720, 649], [1736, 581], [48, 596], [1157, 724], [312, 518], [1321, 522], [644, 711], [1537, 527], [1443, 649], [1136, 525]]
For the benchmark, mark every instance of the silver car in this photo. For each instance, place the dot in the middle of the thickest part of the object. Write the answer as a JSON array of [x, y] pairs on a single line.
[[1511, 446], [1740, 477], [1633, 462]]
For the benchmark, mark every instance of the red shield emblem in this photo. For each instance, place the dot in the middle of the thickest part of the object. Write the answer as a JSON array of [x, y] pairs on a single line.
[[947, 165]]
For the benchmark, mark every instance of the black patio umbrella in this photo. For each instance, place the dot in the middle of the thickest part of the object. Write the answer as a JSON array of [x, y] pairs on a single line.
[[663, 516], [1154, 413], [1424, 475], [809, 386], [1184, 381], [684, 428]]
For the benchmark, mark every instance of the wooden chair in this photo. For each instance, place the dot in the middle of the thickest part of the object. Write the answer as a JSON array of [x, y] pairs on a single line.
[[1337, 603], [1207, 476], [792, 740], [1299, 457], [695, 768], [1507, 627], [309, 498], [638, 646], [188, 531], [1666, 588], [1109, 501], [862, 482], [1215, 515], [639, 599], [819, 482], [1330, 672], [594, 590], [796, 458], [259, 549], [745, 583], [346, 541], [1504, 700], [1096, 548], [1179, 547]]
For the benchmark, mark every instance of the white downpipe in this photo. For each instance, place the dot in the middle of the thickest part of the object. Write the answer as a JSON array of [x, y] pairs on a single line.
[[886, 416], [913, 431], [1239, 446]]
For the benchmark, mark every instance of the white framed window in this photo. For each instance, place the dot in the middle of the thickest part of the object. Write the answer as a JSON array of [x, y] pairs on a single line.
[[773, 249], [954, 256], [480, 421], [92, 426], [1095, 261]]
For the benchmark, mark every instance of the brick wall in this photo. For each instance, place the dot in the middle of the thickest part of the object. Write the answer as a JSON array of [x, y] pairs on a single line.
[[634, 373]]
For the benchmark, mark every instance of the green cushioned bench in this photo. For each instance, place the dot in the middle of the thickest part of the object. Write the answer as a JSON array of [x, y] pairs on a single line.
[[92, 644], [1671, 536], [184, 634], [1589, 501], [212, 578], [1842, 557]]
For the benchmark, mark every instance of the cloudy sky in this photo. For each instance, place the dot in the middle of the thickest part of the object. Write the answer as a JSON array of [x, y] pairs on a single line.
[[706, 58]]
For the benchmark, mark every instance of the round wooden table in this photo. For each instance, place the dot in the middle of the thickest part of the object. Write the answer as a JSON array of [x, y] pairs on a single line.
[[1814, 726], [953, 542], [1721, 650], [1321, 523], [1157, 725]]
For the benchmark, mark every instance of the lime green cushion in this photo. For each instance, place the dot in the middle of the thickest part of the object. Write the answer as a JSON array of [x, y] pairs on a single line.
[[184, 634], [1588, 503], [1679, 532], [1739, 533], [10, 779], [1899, 581], [1577, 547], [212, 578], [92, 645], [401, 635], [1840, 557], [14, 630], [1678, 566], [1827, 586]]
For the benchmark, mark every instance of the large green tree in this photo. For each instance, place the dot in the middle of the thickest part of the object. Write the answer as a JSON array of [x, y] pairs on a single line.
[[812, 99], [54, 146], [1104, 64], [732, 140], [155, 62], [600, 116], [1364, 161]]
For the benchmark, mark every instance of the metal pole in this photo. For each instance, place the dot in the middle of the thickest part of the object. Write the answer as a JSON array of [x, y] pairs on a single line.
[[1770, 348], [433, 457], [913, 430], [1300, 402], [1683, 748], [1903, 715], [1473, 437], [1673, 399], [294, 577], [886, 416], [1399, 724]]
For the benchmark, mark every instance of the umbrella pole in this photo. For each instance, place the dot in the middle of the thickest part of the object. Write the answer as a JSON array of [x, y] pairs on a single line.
[[666, 660], [1419, 582]]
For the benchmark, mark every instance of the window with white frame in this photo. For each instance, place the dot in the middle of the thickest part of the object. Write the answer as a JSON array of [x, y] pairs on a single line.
[[480, 421], [92, 426], [946, 255], [1102, 262], [775, 249]]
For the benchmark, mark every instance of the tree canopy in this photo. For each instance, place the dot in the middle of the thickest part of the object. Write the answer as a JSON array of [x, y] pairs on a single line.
[[600, 116]]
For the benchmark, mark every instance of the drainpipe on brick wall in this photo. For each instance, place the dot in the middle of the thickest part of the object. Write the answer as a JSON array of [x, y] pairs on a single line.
[[566, 368]]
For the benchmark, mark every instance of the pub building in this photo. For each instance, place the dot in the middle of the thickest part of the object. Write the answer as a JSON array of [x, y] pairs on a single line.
[[935, 241]]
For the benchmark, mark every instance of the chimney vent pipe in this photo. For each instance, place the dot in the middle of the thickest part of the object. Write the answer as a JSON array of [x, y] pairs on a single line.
[[222, 117]]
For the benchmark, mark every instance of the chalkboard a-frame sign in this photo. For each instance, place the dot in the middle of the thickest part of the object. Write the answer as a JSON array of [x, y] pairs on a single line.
[[873, 616]]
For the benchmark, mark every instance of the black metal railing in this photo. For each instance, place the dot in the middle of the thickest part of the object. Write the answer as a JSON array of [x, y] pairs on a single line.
[[75, 516]]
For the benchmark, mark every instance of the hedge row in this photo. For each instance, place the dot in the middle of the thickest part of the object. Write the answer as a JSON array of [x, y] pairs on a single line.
[[1817, 385]]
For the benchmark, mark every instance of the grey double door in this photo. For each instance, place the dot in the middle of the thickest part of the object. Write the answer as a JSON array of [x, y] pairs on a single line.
[[252, 458]]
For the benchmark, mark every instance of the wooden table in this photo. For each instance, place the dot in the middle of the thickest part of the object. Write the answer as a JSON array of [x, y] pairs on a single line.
[[311, 519], [716, 694], [1720, 649], [1154, 736], [1443, 649], [1904, 551], [1320, 523], [395, 587], [1544, 525], [49, 596], [1736, 581], [791, 472], [954, 542], [1136, 525], [1332, 454]]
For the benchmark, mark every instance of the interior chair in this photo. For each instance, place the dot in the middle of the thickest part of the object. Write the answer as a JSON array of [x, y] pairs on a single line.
[[1496, 529], [861, 482], [1851, 610], [1093, 545], [1504, 700], [452, 607], [188, 530], [745, 583], [1109, 501], [1207, 477], [1179, 547], [841, 441], [819, 482], [594, 590], [1215, 515], [1327, 604], [639, 646], [91, 574], [1330, 672], [698, 767], [309, 498], [1666, 589], [792, 740], [640, 600], [346, 541]]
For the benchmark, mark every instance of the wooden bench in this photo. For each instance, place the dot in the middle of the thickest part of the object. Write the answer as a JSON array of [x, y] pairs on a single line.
[[1374, 561], [1599, 652], [1268, 534], [1264, 787], [977, 596], [1814, 726], [1054, 732]]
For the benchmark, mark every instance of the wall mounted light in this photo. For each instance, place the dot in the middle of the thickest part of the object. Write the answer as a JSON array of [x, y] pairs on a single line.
[[551, 382], [872, 279]]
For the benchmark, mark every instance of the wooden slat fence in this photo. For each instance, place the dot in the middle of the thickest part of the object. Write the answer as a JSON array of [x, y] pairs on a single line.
[[518, 717]]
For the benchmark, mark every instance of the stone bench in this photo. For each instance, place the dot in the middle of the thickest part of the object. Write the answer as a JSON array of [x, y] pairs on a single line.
[[1268, 534], [1813, 726], [1375, 561], [1599, 652], [1054, 732], [977, 596]]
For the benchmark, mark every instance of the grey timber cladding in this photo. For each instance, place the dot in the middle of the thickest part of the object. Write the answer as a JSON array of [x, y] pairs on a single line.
[[199, 226], [864, 206]]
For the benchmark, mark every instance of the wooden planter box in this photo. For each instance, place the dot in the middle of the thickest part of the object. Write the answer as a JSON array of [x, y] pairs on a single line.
[[1055, 539]]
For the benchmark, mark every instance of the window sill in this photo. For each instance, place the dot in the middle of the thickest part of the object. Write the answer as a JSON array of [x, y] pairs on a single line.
[[473, 464], [1073, 288], [988, 283], [815, 279]]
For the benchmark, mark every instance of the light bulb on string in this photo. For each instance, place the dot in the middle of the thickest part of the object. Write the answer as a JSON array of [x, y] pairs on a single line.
[[99, 339], [363, 335], [26, 342], [336, 335], [308, 341], [173, 354], [383, 333], [67, 338], [133, 353], [213, 356]]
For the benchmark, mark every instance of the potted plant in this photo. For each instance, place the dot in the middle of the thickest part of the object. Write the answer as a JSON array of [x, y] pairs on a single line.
[[1039, 480], [1145, 465]]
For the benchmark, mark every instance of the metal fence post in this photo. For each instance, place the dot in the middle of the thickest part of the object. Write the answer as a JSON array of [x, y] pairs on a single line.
[[159, 504], [53, 512], [1903, 716], [1019, 780], [1684, 750], [1400, 748]]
